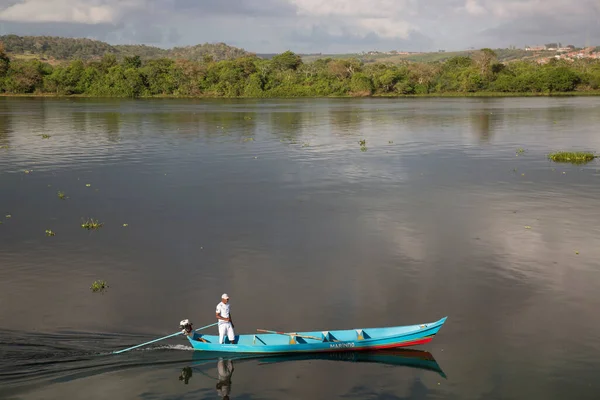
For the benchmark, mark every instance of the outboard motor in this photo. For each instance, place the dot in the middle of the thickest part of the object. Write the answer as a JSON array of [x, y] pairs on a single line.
[[186, 327]]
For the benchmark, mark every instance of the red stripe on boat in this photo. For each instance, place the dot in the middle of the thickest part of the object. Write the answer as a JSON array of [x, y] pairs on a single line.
[[382, 347]]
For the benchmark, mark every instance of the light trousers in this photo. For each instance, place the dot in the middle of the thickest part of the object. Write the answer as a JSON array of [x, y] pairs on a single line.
[[226, 329]]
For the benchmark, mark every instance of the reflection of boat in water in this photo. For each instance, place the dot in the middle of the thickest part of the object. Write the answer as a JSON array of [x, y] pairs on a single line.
[[408, 358], [417, 359]]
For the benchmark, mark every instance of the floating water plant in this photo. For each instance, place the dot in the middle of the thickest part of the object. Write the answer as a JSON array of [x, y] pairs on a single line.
[[4, 147], [50, 233], [520, 151], [45, 136], [8, 216], [125, 225], [577, 157], [99, 286], [249, 139], [88, 184], [363, 145], [92, 224], [61, 195]]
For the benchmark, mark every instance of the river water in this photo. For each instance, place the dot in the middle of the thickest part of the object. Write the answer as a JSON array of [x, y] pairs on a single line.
[[452, 209]]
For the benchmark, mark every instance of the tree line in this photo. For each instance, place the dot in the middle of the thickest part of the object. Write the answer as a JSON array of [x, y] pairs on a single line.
[[285, 75]]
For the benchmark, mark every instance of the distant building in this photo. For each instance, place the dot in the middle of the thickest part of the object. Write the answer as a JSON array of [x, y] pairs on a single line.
[[535, 48]]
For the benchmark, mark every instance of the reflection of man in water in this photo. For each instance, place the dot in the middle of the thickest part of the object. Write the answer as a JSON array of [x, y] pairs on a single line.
[[225, 370]]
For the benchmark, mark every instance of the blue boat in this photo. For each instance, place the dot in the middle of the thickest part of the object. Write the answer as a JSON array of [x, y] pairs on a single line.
[[274, 342]]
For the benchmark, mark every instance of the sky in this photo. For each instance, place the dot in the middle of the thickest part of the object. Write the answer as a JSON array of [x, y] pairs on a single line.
[[311, 26]]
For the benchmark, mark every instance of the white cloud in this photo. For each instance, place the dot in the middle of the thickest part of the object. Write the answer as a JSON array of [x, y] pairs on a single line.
[[385, 28], [474, 8], [69, 11], [385, 18], [356, 8], [313, 25], [521, 8]]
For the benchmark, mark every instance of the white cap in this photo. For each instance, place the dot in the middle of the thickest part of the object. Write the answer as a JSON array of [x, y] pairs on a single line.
[[224, 296]]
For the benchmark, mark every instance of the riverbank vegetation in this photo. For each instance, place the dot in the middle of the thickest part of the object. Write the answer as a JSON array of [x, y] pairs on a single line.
[[286, 75]]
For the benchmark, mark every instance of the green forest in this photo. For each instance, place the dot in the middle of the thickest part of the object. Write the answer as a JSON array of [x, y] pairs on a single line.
[[59, 48], [286, 75]]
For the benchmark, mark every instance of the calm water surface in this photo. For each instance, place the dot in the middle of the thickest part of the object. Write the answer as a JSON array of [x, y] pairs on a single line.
[[274, 203]]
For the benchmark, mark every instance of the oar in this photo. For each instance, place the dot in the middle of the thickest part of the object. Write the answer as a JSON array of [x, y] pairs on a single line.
[[290, 334], [162, 338]]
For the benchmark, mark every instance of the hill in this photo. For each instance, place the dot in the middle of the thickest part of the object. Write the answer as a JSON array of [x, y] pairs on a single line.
[[59, 49], [504, 55], [55, 50]]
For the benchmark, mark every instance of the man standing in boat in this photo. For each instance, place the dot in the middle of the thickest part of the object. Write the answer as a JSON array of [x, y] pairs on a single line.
[[224, 317]]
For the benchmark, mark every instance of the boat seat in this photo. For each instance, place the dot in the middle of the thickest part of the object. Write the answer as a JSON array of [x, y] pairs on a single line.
[[198, 337], [259, 339]]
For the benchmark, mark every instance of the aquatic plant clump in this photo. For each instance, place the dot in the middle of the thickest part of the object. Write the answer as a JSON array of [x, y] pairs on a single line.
[[99, 286], [578, 157], [50, 233], [92, 224], [363, 145]]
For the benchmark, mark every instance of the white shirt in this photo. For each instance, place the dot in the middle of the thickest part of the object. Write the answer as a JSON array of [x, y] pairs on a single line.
[[223, 310]]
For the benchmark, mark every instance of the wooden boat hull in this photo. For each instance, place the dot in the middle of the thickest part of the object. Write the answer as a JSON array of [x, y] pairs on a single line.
[[324, 341]]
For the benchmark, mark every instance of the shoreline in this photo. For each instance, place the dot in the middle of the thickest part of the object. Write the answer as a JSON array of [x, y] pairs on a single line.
[[374, 96]]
